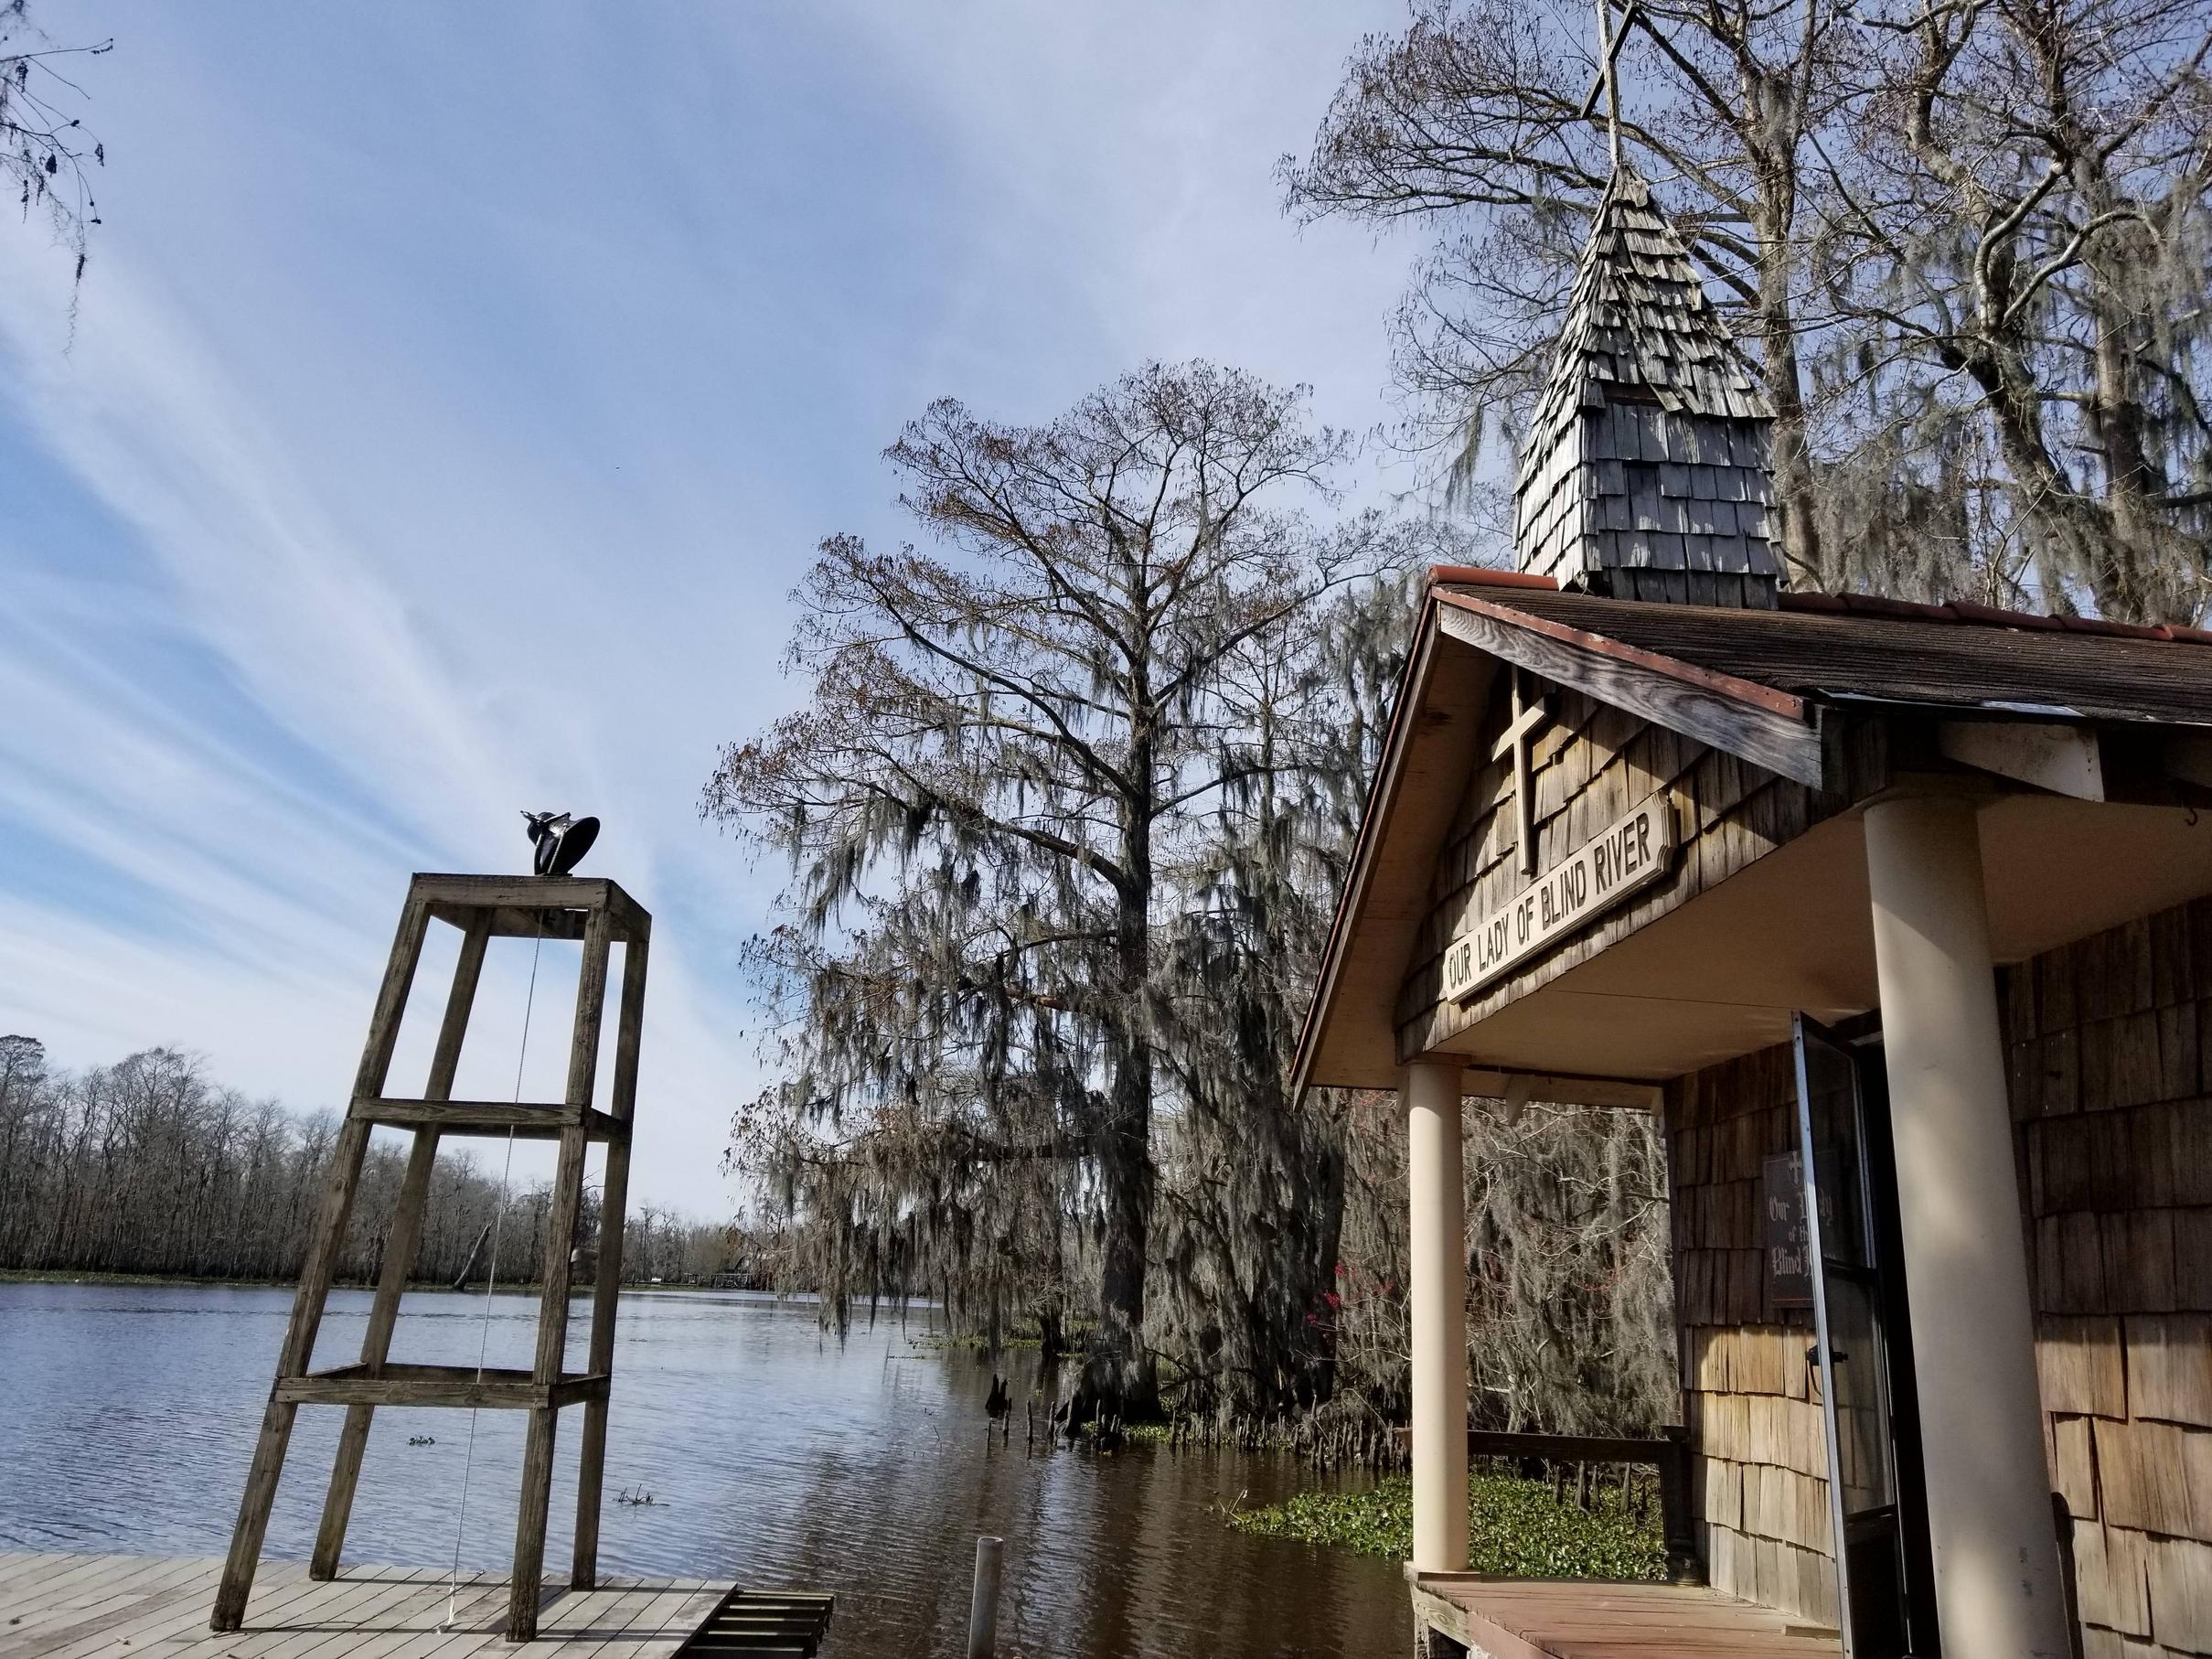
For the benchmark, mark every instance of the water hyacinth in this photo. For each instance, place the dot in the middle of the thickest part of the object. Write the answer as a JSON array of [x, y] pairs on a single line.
[[1516, 1527]]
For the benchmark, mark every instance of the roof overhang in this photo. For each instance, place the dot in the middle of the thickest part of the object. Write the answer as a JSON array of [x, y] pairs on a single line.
[[1772, 729], [1719, 975], [1349, 1037]]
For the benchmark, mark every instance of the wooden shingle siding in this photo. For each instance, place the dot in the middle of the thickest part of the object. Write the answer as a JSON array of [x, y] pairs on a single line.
[[1648, 469], [1590, 763], [2110, 1043], [1760, 1470]]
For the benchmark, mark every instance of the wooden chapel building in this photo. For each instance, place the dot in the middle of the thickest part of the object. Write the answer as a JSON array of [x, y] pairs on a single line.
[[1900, 916]]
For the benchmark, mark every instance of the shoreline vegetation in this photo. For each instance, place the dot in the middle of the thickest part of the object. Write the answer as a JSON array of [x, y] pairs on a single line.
[[419, 1287], [151, 1167], [1560, 1524], [1517, 1527]]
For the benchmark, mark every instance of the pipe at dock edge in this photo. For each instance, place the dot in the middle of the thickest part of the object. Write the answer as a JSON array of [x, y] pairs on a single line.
[[983, 1607]]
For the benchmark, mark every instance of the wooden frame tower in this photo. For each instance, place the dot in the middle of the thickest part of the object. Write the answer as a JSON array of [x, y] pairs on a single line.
[[600, 913]]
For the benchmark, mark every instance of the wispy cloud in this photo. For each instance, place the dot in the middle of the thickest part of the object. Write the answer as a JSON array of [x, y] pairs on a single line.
[[458, 393]]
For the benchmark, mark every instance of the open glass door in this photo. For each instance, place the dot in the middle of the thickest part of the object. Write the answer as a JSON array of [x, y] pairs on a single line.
[[1857, 1302]]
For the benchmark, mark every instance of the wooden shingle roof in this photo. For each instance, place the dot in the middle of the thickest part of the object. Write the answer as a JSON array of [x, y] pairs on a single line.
[[1962, 657], [1639, 327], [1649, 458], [2090, 743]]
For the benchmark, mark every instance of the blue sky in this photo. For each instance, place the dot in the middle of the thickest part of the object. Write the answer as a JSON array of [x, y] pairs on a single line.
[[456, 394]]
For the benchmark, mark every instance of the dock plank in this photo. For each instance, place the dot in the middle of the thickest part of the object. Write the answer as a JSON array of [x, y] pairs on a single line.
[[60, 1606], [131, 1603], [327, 1607], [606, 1630], [478, 1601], [72, 1596], [185, 1619], [1561, 1619], [330, 1622]]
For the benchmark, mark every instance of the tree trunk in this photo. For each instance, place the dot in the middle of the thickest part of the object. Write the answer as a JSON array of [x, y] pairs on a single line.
[[1320, 1377], [468, 1268], [1777, 337], [1052, 1335], [1121, 1374]]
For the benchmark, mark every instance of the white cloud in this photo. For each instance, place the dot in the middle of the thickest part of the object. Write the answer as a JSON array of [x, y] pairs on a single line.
[[441, 439]]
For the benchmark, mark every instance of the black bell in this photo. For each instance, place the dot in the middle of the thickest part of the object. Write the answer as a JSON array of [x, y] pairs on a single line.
[[561, 840]]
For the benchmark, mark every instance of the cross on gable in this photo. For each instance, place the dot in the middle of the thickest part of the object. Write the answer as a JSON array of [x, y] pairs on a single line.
[[1528, 715]]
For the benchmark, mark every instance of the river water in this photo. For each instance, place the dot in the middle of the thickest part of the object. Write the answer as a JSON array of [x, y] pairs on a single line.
[[774, 1456]]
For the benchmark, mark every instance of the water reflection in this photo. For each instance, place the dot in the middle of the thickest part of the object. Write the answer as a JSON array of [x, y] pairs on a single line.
[[772, 1454]]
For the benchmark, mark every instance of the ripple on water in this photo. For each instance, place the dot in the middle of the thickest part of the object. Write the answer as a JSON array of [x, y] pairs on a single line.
[[772, 1453]]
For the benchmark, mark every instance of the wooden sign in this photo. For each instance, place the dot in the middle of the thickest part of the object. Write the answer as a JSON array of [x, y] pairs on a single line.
[[1604, 870], [1782, 1212]]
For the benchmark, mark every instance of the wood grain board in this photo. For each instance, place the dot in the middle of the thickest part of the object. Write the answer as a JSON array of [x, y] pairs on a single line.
[[2109, 1042], [81, 1607], [1591, 764], [1558, 1619], [1760, 1479]]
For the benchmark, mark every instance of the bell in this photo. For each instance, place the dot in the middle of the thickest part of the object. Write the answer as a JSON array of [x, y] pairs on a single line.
[[561, 840]]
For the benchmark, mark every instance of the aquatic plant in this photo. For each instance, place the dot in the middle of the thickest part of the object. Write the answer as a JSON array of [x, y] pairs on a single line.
[[1515, 1526]]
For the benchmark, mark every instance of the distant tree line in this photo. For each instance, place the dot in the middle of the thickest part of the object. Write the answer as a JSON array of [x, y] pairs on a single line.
[[147, 1166]]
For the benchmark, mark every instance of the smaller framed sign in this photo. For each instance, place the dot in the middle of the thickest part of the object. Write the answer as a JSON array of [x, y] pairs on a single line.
[[1788, 1246]]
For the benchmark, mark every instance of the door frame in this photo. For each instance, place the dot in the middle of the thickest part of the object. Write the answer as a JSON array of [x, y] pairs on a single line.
[[1858, 1041]]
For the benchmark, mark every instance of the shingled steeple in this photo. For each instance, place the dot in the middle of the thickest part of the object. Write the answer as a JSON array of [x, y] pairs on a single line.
[[1648, 472]]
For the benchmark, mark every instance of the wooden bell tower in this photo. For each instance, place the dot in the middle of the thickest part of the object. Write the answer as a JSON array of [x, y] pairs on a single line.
[[599, 914]]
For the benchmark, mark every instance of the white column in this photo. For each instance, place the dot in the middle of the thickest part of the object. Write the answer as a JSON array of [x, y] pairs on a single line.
[[1437, 1304], [1974, 1328]]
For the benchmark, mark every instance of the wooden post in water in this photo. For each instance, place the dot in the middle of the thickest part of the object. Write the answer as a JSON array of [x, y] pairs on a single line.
[[983, 1605]]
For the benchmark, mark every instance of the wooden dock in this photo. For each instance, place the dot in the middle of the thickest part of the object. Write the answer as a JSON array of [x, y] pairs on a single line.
[[94, 1607], [1583, 1619]]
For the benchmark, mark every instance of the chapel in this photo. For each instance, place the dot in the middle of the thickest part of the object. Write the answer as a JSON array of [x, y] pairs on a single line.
[[1899, 918]]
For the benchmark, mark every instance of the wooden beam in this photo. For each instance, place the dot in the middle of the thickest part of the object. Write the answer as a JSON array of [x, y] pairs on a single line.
[[1377, 893], [1753, 721], [544, 1422], [400, 1248], [523, 891], [1561, 1090], [2046, 755], [559, 1266], [510, 922], [2188, 758], [320, 1267], [1612, 53], [484, 907], [530, 1120], [606, 1289], [440, 1385], [518, 902]]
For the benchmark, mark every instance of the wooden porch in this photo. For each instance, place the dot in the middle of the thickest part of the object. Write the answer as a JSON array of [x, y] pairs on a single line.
[[90, 1607], [1571, 1619]]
